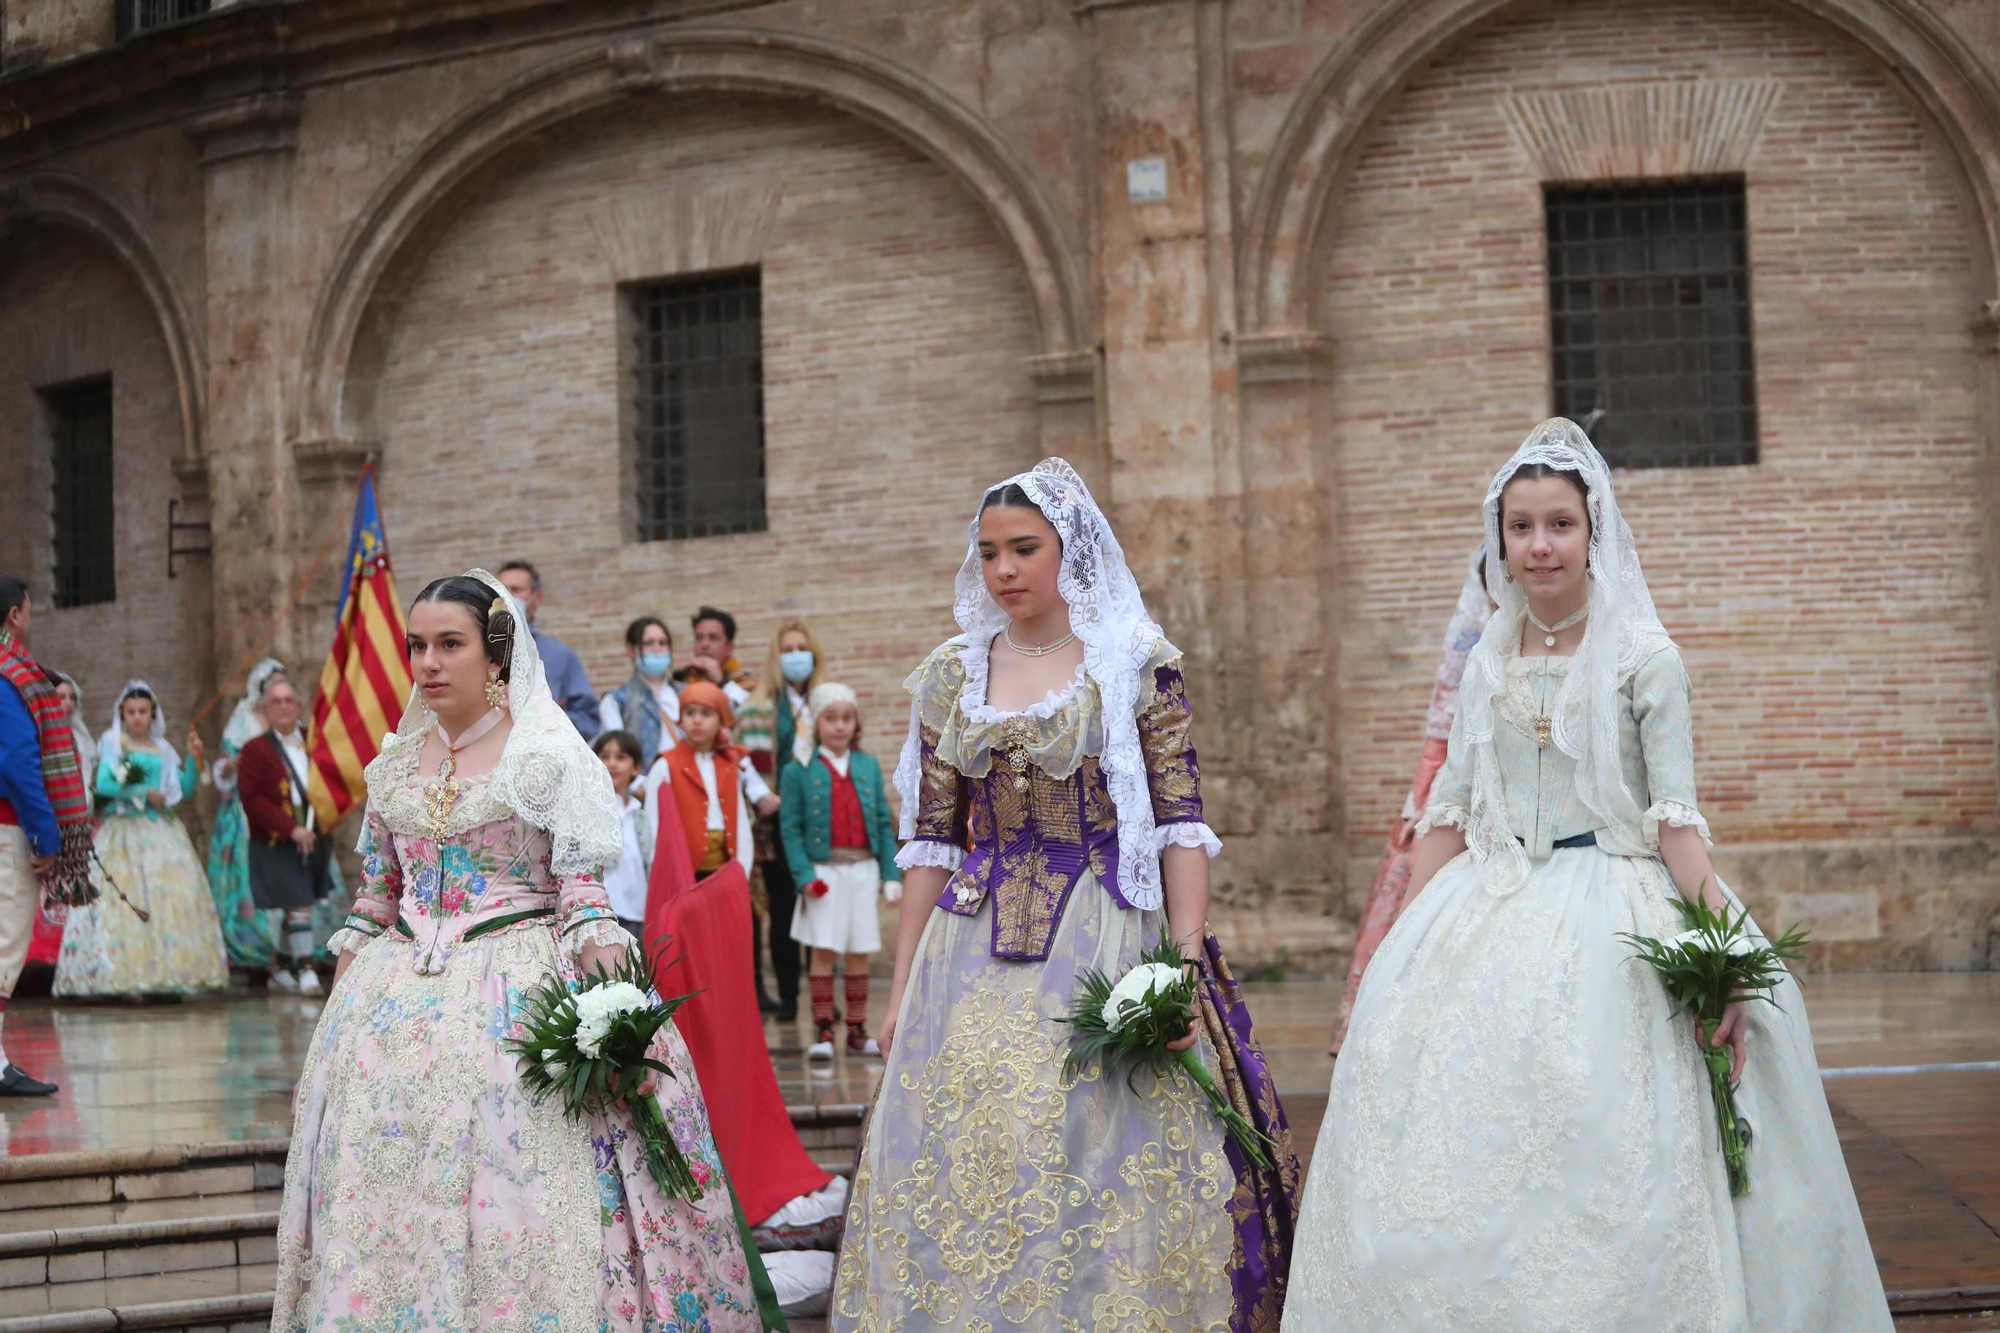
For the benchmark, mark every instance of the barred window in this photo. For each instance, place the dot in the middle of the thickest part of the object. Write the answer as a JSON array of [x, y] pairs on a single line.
[[80, 417], [137, 16], [1649, 312], [697, 405]]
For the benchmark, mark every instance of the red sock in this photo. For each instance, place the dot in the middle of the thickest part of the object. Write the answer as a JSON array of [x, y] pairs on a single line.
[[857, 999], [822, 993]]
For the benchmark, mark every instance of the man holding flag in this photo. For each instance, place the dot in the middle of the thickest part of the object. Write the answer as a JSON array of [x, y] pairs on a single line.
[[366, 679]]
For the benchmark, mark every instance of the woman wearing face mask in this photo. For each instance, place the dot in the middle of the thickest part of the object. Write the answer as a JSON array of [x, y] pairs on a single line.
[[145, 851], [1053, 737], [648, 705], [425, 1189], [1520, 1136], [775, 728]]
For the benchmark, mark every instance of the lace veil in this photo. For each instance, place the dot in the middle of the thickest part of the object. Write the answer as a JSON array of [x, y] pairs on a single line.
[[1119, 638], [1623, 630], [111, 745], [546, 774]]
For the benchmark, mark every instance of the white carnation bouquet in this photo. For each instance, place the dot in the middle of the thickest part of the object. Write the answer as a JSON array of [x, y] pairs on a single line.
[[1134, 1018], [589, 1042], [1714, 963]]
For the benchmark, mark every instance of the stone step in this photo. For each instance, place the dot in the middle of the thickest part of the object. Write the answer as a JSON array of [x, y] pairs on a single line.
[[210, 1300], [206, 1239], [182, 1237]]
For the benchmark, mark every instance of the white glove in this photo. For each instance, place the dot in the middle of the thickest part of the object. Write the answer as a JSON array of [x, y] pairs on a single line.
[[892, 889]]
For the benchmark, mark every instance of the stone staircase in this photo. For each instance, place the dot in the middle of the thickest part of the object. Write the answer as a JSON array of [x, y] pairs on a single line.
[[183, 1238]]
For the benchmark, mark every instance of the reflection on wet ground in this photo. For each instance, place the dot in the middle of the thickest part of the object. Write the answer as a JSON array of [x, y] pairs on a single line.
[[213, 1069]]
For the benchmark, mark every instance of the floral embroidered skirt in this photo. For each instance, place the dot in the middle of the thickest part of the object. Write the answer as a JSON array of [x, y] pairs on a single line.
[[994, 1193], [108, 950], [426, 1192]]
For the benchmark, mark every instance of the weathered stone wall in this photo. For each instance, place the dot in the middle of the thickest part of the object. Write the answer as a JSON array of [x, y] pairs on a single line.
[[158, 628], [1289, 377], [896, 338]]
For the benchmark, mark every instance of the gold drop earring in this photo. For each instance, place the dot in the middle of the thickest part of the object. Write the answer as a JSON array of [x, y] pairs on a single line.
[[496, 693]]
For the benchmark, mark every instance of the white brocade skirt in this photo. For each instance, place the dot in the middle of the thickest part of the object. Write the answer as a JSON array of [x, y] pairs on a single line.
[[1520, 1136], [845, 920], [108, 950]]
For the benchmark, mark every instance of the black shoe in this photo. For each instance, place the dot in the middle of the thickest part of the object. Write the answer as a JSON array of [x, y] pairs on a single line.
[[14, 1082], [765, 1004], [788, 1011]]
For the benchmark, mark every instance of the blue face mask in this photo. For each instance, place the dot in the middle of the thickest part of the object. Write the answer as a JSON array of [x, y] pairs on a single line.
[[655, 665], [797, 665]]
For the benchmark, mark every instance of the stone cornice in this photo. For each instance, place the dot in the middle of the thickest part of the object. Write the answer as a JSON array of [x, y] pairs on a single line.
[[1064, 377], [246, 126], [1283, 357], [335, 462]]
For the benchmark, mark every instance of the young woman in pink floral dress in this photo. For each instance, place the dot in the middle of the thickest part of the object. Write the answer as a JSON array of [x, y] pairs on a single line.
[[425, 1191]]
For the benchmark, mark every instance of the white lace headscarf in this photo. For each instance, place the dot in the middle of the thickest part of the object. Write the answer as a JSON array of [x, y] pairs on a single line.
[[1119, 639], [111, 745], [1461, 632], [244, 721], [1622, 631], [546, 774]]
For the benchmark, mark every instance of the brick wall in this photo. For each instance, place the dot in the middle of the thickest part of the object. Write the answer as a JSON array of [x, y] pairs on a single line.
[[896, 329], [1828, 601], [69, 310]]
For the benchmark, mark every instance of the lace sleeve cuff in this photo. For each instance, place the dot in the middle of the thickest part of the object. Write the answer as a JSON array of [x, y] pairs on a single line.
[[1674, 815], [589, 928], [925, 853], [1189, 833], [1455, 816], [350, 938]]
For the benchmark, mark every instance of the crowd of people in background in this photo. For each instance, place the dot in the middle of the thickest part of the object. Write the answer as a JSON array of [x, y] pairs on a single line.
[[763, 766]]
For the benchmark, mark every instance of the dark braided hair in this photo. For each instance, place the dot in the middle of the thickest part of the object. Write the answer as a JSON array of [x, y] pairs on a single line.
[[496, 627]]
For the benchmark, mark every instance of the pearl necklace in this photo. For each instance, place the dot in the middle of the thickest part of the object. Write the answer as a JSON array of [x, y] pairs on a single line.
[[1549, 632], [1039, 650]]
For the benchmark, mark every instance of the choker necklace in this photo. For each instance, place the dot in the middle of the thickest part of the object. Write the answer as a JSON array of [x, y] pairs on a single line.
[[1040, 649], [1549, 632], [440, 796]]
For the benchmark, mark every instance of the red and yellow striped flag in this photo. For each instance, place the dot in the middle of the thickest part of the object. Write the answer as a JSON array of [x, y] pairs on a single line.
[[366, 680]]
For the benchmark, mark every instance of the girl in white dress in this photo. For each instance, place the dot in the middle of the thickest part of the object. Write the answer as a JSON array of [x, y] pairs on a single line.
[[1518, 1137]]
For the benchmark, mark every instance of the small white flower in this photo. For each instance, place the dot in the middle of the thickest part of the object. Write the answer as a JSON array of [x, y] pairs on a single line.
[[1743, 945], [1142, 981], [1688, 937]]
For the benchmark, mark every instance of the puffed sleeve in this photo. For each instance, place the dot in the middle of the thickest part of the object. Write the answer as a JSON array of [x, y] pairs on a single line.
[[1661, 705], [1451, 793], [933, 791], [381, 889], [1173, 773]]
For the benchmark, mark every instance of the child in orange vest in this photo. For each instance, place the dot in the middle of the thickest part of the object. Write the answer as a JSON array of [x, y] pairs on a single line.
[[703, 777]]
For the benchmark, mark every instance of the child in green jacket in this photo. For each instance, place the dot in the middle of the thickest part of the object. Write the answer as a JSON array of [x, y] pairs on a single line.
[[841, 847]]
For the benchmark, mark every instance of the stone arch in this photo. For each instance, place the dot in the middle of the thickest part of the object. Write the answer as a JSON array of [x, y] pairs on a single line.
[[62, 199], [1339, 101], [356, 307]]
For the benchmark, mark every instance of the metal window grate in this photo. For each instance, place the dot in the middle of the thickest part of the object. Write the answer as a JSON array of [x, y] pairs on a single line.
[[1649, 312], [137, 16], [85, 566], [698, 400]]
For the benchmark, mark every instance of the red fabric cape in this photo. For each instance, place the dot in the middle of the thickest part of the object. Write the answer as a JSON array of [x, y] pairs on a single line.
[[709, 926]]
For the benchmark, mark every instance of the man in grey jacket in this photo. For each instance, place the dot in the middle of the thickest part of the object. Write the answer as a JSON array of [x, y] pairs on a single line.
[[568, 682]]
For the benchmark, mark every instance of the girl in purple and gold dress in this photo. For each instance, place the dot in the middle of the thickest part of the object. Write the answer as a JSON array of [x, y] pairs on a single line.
[[1052, 807]]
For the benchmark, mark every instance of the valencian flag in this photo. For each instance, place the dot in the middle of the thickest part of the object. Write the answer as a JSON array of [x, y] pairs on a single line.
[[366, 679]]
